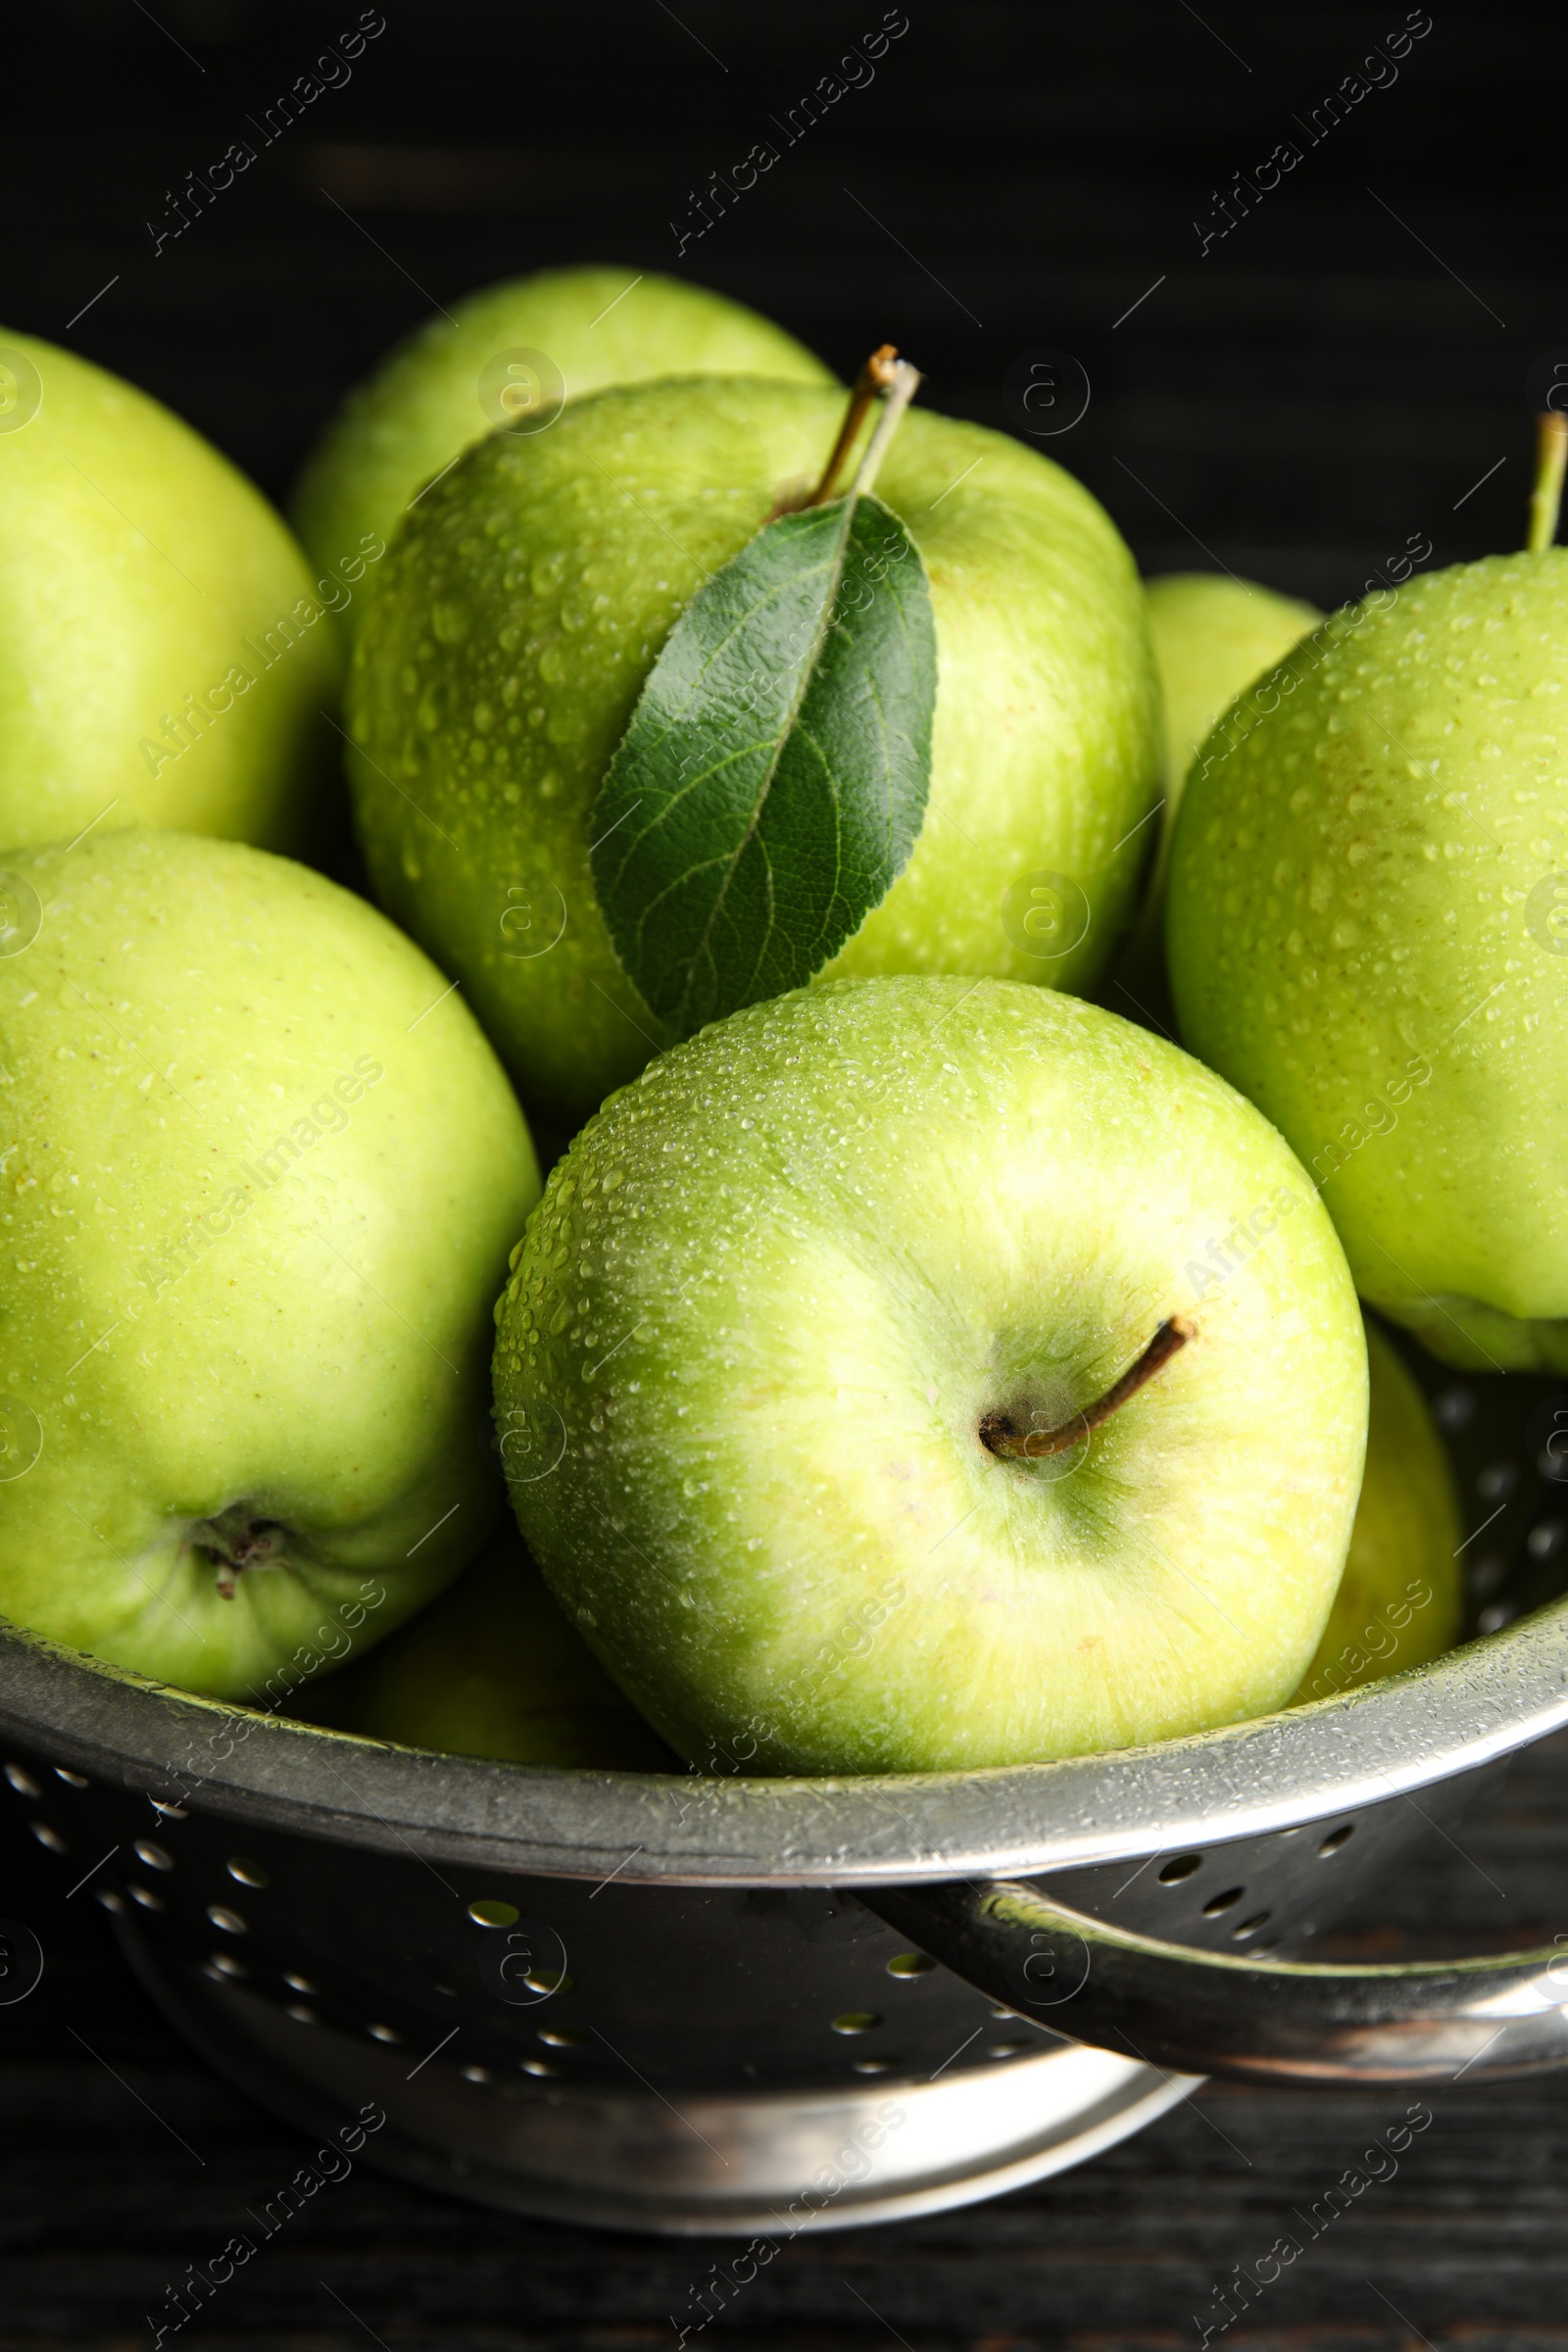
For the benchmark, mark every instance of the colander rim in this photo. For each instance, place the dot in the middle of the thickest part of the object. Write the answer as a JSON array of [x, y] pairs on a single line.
[[1390, 1739]]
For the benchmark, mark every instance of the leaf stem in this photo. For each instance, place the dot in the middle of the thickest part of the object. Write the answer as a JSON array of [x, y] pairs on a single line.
[[998, 1436], [875, 377], [1551, 450]]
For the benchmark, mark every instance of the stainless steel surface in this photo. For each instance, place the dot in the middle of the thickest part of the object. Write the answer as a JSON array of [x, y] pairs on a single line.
[[1258, 2019], [615, 1986], [769, 2164], [1478, 1702], [1274, 1892]]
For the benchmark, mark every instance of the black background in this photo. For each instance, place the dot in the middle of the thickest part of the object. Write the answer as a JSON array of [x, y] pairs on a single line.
[[1334, 376], [1326, 379]]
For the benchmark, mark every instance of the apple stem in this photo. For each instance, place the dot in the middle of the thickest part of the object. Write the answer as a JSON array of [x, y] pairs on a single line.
[[906, 384], [998, 1436], [1551, 450], [884, 375]]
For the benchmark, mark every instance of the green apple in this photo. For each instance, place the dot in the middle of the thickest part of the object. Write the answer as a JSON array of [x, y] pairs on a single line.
[[489, 361], [794, 1302], [165, 653], [1399, 1599], [525, 600], [261, 1175], [492, 1669], [1367, 891], [1213, 634]]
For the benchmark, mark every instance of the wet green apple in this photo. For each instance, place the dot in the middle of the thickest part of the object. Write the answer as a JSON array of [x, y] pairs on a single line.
[[510, 355], [796, 1307], [1366, 934], [1399, 1599], [523, 603], [261, 1175], [491, 1668], [1213, 634], [164, 652]]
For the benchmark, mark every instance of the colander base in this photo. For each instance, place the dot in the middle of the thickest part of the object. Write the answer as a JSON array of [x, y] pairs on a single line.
[[763, 2165]]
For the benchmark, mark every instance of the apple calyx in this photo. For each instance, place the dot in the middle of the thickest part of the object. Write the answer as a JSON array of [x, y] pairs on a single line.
[[235, 1540], [998, 1436], [1551, 452]]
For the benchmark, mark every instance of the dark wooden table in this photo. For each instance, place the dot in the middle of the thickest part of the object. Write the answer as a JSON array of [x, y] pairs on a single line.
[[1343, 367]]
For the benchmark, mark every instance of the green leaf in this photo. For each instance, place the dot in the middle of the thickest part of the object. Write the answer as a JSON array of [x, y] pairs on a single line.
[[771, 783]]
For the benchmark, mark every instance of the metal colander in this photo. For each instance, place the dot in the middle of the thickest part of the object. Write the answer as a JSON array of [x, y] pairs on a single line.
[[696, 2004]]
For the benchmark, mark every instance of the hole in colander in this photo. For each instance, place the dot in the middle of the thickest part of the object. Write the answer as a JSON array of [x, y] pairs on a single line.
[[1498, 1481], [146, 1898], [21, 1781], [1005, 2049], [548, 1979], [1249, 1927], [73, 1779], [539, 2066], [48, 1837], [475, 2074], [110, 1900], [227, 1922], [856, 2020], [156, 1857], [248, 1874], [870, 2066], [1336, 1839], [492, 1913], [562, 2037], [299, 1984], [383, 2032], [1182, 1868], [1545, 1538], [1217, 1903], [301, 2015], [910, 1964]]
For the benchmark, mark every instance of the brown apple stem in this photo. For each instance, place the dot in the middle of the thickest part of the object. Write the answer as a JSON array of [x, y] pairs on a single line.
[[877, 376], [1551, 450], [1000, 1437]]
